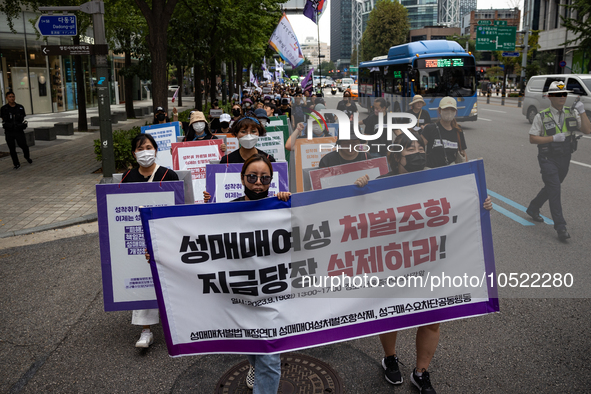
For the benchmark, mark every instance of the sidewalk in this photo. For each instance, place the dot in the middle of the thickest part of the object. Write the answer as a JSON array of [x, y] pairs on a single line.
[[58, 189]]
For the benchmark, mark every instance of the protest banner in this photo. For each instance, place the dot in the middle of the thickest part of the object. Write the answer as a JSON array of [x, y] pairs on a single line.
[[224, 183], [165, 135], [193, 156], [347, 174], [235, 277], [127, 279], [308, 155], [231, 142]]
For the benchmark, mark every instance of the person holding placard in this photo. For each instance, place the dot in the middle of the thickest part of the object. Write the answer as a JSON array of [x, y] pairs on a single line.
[[410, 159], [199, 130], [248, 130], [416, 109], [144, 149]]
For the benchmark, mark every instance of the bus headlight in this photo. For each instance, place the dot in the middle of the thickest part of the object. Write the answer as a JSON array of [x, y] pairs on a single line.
[[474, 111]]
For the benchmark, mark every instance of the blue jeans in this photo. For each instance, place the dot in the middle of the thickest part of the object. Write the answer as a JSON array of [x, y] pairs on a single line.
[[267, 372]]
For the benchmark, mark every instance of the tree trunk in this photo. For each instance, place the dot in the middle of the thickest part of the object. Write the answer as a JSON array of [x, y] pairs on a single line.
[[231, 78], [80, 91], [128, 81], [179, 77], [212, 80], [239, 76], [198, 98], [223, 78]]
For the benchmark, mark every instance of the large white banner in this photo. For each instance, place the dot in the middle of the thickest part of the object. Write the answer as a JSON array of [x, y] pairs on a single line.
[[285, 42], [270, 276]]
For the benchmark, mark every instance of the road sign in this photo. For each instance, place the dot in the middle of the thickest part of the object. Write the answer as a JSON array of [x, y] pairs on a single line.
[[562, 63], [495, 38], [500, 23], [484, 23], [57, 25], [71, 50], [510, 54], [353, 69]]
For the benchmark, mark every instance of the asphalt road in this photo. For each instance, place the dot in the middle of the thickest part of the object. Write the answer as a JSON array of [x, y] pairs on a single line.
[[55, 336]]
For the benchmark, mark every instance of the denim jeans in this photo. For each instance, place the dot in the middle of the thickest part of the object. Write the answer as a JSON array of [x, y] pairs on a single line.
[[267, 372]]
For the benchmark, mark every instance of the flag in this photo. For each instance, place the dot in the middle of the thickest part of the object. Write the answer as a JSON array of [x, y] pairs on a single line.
[[308, 82], [253, 79], [285, 42], [314, 9], [176, 93]]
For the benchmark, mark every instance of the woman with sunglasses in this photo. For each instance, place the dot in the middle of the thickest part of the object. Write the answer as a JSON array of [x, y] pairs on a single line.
[[411, 159]]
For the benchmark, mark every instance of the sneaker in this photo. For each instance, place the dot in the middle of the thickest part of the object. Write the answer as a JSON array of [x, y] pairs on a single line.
[[422, 382], [250, 378], [146, 339], [391, 370]]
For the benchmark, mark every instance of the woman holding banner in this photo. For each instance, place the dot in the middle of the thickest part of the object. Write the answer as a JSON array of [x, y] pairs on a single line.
[[411, 158], [144, 149]]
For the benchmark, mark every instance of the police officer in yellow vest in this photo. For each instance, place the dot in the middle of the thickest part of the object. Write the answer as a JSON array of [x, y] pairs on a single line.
[[553, 130]]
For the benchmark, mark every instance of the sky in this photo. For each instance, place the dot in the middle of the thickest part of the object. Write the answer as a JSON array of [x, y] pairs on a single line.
[[304, 27]]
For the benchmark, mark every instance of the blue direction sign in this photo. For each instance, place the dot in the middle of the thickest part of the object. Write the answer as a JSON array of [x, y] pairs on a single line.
[[57, 25], [510, 54]]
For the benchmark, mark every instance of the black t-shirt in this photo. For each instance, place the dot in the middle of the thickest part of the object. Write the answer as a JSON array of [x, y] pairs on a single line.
[[371, 128], [348, 109], [334, 159], [12, 116], [286, 111], [435, 148], [191, 135], [423, 117], [162, 174], [235, 157], [299, 112]]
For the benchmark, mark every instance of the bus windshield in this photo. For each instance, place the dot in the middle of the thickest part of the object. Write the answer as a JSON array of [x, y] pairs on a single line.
[[445, 76]]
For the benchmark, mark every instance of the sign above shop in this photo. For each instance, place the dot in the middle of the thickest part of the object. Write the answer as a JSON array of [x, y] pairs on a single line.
[[71, 50], [57, 25]]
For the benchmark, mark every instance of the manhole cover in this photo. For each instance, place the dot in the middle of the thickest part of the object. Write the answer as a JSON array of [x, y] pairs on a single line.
[[299, 374]]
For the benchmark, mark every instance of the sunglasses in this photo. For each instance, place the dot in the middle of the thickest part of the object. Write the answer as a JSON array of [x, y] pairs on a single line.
[[252, 179], [558, 94]]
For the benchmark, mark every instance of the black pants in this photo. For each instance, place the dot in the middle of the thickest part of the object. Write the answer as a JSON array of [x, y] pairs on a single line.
[[13, 138], [554, 170]]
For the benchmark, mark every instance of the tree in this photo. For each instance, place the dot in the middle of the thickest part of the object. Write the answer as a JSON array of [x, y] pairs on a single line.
[[580, 25], [387, 26], [471, 45], [326, 67]]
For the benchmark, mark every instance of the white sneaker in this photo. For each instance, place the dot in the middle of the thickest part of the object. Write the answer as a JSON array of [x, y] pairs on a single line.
[[146, 339], [250, 378]]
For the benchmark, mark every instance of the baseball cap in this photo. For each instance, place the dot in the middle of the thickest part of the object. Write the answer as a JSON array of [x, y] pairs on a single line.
[[448, 102], [261, 113], [225, 118], [159, 109]]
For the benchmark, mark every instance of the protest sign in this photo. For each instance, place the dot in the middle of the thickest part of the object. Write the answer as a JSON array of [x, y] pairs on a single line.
[[224, 183], [231, 142], [127, 279], [308, 155], [261, 276], [164, 134], [193, 156], [347, 174]]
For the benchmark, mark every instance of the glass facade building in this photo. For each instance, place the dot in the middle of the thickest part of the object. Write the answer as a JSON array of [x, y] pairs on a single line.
[[421, 13]]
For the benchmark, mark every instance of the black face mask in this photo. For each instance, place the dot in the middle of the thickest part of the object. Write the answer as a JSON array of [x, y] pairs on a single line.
[[225, 125], [252, 195], [415, 162], [160, 117], [236, 112]]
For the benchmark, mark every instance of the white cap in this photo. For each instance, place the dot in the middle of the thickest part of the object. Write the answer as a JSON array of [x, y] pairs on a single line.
[[558, 87], [225, 118], [448, 102]]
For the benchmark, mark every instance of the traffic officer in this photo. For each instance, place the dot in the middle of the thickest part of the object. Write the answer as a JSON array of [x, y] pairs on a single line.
[[13, 122], [553, 131]]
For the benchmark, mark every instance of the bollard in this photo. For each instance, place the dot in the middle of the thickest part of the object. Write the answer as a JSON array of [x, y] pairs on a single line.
[[519, 102], [488, 98], [503, 100]]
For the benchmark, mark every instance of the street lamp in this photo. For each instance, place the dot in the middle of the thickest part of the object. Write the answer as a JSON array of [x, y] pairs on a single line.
[[359, 5], [320, 66]]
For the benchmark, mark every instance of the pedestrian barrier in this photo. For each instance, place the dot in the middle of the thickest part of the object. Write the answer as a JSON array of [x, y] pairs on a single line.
[[147, 110], [119, 116], [64, 128], [138, 112], [45, 133]]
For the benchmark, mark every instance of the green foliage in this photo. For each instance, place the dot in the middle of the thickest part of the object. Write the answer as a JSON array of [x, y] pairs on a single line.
[[471, 45], [580, 24], [121, 147], [494, 73], [387, 26], [513, 94]]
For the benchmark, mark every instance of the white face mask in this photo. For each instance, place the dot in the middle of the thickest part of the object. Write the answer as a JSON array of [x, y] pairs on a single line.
[[146, 158], [316, 129], [248, 141], [198, 127], [448, 116]]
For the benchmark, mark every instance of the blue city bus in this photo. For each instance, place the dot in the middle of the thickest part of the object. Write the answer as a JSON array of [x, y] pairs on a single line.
[[434, 69]]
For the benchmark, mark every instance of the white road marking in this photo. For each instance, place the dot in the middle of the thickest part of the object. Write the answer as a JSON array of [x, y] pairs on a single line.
[[493, 110], [488, 120], [581, 164]]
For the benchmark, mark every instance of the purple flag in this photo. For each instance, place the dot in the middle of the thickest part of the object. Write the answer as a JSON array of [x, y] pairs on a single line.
[[310, 10], [308, 82]]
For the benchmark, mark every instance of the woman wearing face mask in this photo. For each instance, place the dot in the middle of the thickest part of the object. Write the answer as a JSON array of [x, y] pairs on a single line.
[[248, 130], [199, 130], [416, 109], [236, 113], [411, 159], [160, 116], [372, 122], [143, 148], [347, 105], [445, 139]]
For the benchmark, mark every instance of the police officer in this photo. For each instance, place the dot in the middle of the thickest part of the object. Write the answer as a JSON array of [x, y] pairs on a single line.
[[13, 122], [553, 131]]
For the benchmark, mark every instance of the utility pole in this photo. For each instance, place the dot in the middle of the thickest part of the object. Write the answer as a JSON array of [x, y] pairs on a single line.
[[97, 9], [523, 65]]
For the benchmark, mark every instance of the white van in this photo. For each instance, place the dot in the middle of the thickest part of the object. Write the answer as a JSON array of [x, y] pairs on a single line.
[[345, 83], [534, 100]]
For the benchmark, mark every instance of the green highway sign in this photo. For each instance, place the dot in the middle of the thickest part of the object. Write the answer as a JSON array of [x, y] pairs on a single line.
[[500, 23], [484, 22], [353, 69], [496, 38]]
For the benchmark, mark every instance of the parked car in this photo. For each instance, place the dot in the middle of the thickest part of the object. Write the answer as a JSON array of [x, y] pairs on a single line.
[[534, 100], [345, 83], [354, 91]]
